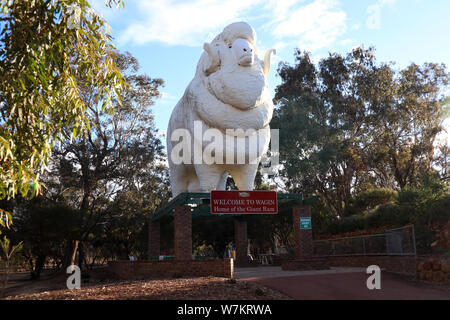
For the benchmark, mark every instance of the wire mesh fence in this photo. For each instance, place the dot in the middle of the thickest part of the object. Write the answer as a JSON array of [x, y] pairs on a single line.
[[399, 241]]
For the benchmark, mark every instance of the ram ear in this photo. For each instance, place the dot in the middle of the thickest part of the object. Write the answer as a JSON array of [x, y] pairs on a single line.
[[266, 65], [214, 61]]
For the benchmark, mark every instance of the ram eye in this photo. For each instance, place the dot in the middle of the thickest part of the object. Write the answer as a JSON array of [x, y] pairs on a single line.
[[229, 47]]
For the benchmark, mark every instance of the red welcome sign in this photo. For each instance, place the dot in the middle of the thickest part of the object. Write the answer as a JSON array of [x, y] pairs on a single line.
[[243, 202]]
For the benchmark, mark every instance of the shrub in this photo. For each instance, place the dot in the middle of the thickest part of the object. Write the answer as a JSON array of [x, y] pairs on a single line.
[[390, 215], [370, 199], [428, 212], [347, 224]]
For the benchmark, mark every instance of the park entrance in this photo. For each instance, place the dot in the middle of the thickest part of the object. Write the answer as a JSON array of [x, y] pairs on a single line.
[[187, 206]]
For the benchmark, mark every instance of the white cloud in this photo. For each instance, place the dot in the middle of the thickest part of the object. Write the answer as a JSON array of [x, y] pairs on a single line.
[[310, 25], [356, 26], [280, 9], [374, 11], [184, 23], [346, 42], [315, 25]]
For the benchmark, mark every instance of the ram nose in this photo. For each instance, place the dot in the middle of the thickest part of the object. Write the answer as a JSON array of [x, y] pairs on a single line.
[[243, 52], [246, 60]]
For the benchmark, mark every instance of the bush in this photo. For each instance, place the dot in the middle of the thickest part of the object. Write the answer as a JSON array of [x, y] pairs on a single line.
[[424, 238], [347, 224], [429, 221], [371, 199], [390, 215], [428, 211], [437, 212]]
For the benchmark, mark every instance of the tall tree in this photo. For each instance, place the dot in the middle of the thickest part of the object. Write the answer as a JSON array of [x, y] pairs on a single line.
[[443, 147], [44, 46], [320, 124], [349, 124], [407, 116], [121, 152], [124, 231]]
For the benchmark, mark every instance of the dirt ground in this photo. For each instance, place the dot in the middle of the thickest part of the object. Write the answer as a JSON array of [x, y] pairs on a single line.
[[250, 284], [102, 285], [21, 283]]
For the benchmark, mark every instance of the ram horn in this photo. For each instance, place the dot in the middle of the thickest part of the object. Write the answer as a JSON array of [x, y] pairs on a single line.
[[266, 65], [213, 58]]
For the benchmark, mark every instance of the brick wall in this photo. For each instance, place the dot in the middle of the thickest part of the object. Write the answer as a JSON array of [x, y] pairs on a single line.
[[396, 264], [302, 237], [305, 264], [168, 268], [154, 231], [279, 259], [183, 233], [240, 239]]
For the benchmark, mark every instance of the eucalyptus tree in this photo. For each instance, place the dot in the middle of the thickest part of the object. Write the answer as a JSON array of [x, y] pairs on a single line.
[[44, 46], [117, 153], [349, 124]]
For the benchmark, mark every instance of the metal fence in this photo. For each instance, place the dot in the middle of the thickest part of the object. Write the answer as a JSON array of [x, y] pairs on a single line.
[[400, 241]]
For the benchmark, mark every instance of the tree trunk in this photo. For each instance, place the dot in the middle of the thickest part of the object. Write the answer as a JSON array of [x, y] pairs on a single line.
[[80, 255], [69, 255], [74, 253], [40, 261]]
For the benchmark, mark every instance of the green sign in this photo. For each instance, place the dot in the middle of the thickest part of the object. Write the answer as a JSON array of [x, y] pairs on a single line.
[[305, 223]]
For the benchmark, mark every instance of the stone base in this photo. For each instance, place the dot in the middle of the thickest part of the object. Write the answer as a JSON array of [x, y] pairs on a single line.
[[306, 264]]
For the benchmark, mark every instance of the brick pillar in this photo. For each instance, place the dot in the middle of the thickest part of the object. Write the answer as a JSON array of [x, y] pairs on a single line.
[[240, 238], [153, 239], [302, 237], [183, 233]]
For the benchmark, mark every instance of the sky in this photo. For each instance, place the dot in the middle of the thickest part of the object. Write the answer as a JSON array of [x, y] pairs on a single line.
[[167, 36]]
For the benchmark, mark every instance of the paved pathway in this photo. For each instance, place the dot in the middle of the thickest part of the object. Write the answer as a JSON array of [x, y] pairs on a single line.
[[340, 284]]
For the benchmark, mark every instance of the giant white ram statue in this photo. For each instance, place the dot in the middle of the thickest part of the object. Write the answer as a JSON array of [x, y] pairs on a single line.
[[224, 110]]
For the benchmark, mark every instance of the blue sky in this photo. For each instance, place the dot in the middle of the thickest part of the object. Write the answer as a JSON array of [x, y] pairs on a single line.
[[167, 36]]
